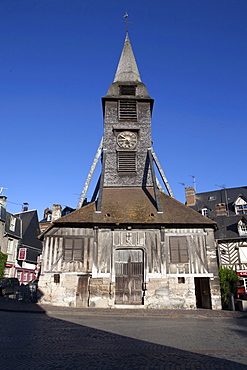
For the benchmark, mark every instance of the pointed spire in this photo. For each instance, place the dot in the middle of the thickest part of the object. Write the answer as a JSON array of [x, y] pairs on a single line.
[[127, 68]]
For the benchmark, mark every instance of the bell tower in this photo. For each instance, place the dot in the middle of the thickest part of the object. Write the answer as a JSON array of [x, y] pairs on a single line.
[[127, 109], [126, 148]]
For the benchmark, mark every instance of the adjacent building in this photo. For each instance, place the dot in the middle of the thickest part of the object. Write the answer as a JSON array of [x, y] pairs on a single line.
[[10, 235], [227, 207], [53, 214], [133, 245], [29, 249], [18, 240]]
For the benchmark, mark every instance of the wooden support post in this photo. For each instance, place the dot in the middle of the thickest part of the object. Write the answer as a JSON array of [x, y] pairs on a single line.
[[90, 175], [99, 202], [168, 188], [156, 192]]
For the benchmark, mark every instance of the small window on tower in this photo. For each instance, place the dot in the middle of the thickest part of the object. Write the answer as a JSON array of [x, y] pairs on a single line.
[[126, 161], [127, 90]]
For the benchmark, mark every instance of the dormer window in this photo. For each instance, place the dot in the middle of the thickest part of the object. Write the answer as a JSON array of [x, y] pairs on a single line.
[[241, 209], [205, 212], [240, 206], [242, 227], [127, 89]]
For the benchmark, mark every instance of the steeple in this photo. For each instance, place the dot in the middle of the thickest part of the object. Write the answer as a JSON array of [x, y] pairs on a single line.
[[127, 70]]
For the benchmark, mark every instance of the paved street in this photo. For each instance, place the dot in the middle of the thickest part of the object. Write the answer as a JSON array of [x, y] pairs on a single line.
[[74, 339]]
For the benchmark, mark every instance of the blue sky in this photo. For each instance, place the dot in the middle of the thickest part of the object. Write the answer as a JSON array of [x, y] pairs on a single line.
[[58, 58]]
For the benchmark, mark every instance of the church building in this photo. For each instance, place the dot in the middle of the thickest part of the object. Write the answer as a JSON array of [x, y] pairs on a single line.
[[133, 245]]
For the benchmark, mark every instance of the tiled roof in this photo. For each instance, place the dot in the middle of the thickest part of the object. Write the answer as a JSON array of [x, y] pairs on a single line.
[[136, 206]]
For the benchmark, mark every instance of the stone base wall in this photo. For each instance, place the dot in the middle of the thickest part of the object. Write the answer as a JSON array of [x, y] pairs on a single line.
[[99, 292], [58, 294], [215, 293], [165, 293], [169, 294]]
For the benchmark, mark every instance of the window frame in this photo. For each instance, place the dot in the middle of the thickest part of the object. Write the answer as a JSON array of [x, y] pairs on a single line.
[[10, 245], [179, 249], [75, 251]]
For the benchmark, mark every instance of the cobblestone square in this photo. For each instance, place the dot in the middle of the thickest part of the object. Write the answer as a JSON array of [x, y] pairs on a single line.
[[59, 338]]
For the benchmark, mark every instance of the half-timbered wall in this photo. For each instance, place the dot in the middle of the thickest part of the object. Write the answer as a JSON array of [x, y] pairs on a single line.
[[233, 254], [172, 258], [68, 250]]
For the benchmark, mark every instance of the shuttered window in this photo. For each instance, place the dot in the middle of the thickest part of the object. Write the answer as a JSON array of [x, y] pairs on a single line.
[[127, 110], [179, 249], [127, 161], [74, 249]]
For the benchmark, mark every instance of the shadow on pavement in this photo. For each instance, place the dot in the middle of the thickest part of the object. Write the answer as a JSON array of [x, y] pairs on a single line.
[[29, 341]]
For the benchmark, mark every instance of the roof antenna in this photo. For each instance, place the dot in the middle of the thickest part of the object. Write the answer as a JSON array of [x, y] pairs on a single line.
[[126, 22], [194, 182], [2, 189]]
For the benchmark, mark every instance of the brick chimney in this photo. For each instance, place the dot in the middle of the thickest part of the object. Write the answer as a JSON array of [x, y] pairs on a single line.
[[56, 211], [220, 209], [190, 195]]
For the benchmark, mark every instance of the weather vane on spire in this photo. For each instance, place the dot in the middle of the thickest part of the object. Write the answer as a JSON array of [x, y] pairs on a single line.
[[126, 22]]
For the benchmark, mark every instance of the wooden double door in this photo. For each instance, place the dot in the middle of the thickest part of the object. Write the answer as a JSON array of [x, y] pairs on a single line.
[[129, 276]]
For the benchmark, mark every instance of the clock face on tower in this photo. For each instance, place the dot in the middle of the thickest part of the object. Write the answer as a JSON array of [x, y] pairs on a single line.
[[127, 139]]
